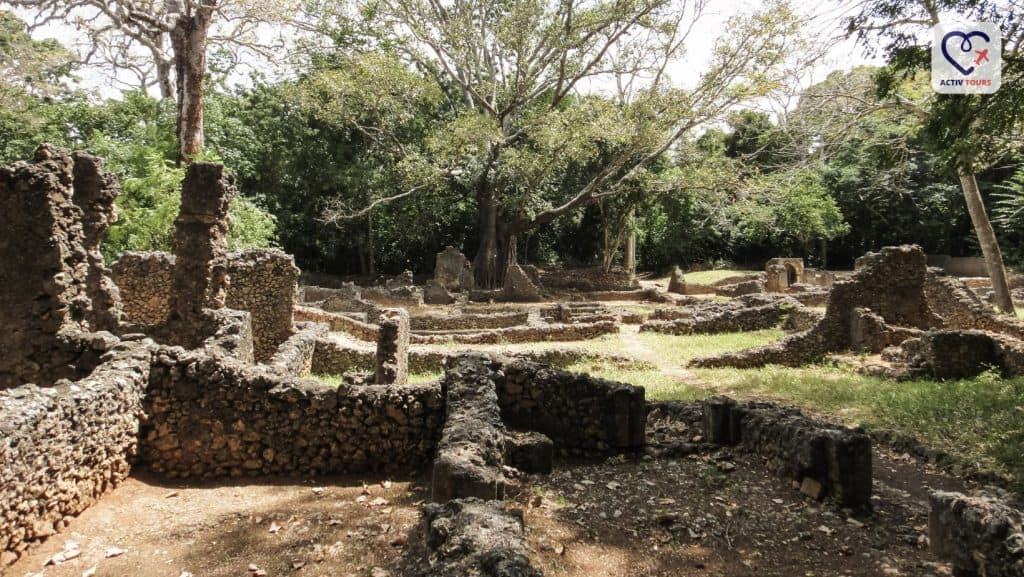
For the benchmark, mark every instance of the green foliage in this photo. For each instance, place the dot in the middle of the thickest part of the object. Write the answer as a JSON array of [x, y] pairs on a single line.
[[149, 203], [1008, 217]]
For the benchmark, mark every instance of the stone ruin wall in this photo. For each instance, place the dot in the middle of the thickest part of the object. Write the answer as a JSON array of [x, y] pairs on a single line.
[[889, 283], [53, 288], [212, 419], [262, 282], [63, 447]]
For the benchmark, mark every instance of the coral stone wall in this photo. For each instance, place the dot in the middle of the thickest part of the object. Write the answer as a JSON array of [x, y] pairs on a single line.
[[265, 283], [63, 447], [262, 282], [210, 418], [580, 413], [48, 247]]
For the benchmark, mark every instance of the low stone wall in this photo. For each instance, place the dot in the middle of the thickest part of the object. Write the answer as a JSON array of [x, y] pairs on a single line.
[[581, 414], [828, 460], [338, 322], [741, 288], [468, 537], [295, 356], [65, 446], [724, 320], [587, 279], [471, 451], [211, 418], [980, 535], [467, 321], [523, 334]]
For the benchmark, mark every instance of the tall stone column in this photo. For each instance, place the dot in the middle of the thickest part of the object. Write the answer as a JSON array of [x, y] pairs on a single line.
[[200, 239], [95, 191], [393, 348]]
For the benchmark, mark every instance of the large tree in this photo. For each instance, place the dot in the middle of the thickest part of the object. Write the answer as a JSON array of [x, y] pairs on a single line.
[[164, 42], [973, 131], [559, 104]]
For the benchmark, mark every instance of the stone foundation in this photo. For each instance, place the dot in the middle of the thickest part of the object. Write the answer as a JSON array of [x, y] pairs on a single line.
[[981, 535]]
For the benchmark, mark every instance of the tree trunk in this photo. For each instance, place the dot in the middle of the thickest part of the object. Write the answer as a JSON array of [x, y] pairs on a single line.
[[371, 259], [987, 240], [631, 246], [188, 40], [487, 264]]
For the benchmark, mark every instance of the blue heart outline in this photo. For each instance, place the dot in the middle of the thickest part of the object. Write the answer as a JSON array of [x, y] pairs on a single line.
[[965, 46]]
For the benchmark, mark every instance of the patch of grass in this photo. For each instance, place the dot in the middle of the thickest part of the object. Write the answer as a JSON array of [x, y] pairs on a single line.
[[414, 379], [658, 386], [712, 276], [980, 420], [679, 350], [603, 345]]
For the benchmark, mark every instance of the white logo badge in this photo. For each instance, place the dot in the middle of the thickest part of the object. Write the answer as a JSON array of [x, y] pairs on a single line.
[[966, 59]]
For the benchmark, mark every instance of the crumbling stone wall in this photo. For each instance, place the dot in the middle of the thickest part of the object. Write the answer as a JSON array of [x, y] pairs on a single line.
[[338, 322], [522, 334], [200, 276], [467, 321], [826, 459], [63, 447], [961, 308], [212, 418], [519, 287], [295, 356], [262, 282], [581, 414], [144, 282], [981, 535], [452, 270], [52, 271], [587, 279], [714, 319], [471, 451], [890, 283]]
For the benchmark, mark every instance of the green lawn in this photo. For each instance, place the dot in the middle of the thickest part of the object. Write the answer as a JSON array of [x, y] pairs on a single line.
[[712, 276], [980, 420]]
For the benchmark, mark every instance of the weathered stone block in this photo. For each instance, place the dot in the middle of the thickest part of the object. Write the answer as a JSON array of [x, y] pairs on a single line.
[[393, 348], [529, 452]]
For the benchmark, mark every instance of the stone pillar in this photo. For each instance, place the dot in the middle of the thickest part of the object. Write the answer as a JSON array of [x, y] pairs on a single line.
[[393, 348], [95, 192], [720, 422], [200, 237]]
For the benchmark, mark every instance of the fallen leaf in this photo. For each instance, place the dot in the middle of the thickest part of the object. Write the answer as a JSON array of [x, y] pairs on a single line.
[[171, 494], [378, 502], [89, 572], [274, 527], [385, 484], [114, 552], [298, 564]]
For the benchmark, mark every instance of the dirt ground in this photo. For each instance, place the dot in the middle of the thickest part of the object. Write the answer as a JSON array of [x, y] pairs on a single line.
[[724, 515], [330, 527], [717, 514]]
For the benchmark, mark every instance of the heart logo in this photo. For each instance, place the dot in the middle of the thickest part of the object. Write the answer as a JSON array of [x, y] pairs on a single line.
[[965, 46]]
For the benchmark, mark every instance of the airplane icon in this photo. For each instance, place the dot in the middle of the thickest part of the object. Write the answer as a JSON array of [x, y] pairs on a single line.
[[982, 56]]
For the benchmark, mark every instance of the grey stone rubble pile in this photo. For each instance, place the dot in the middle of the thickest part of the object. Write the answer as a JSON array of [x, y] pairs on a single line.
[[825, 460], [981, 535]]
